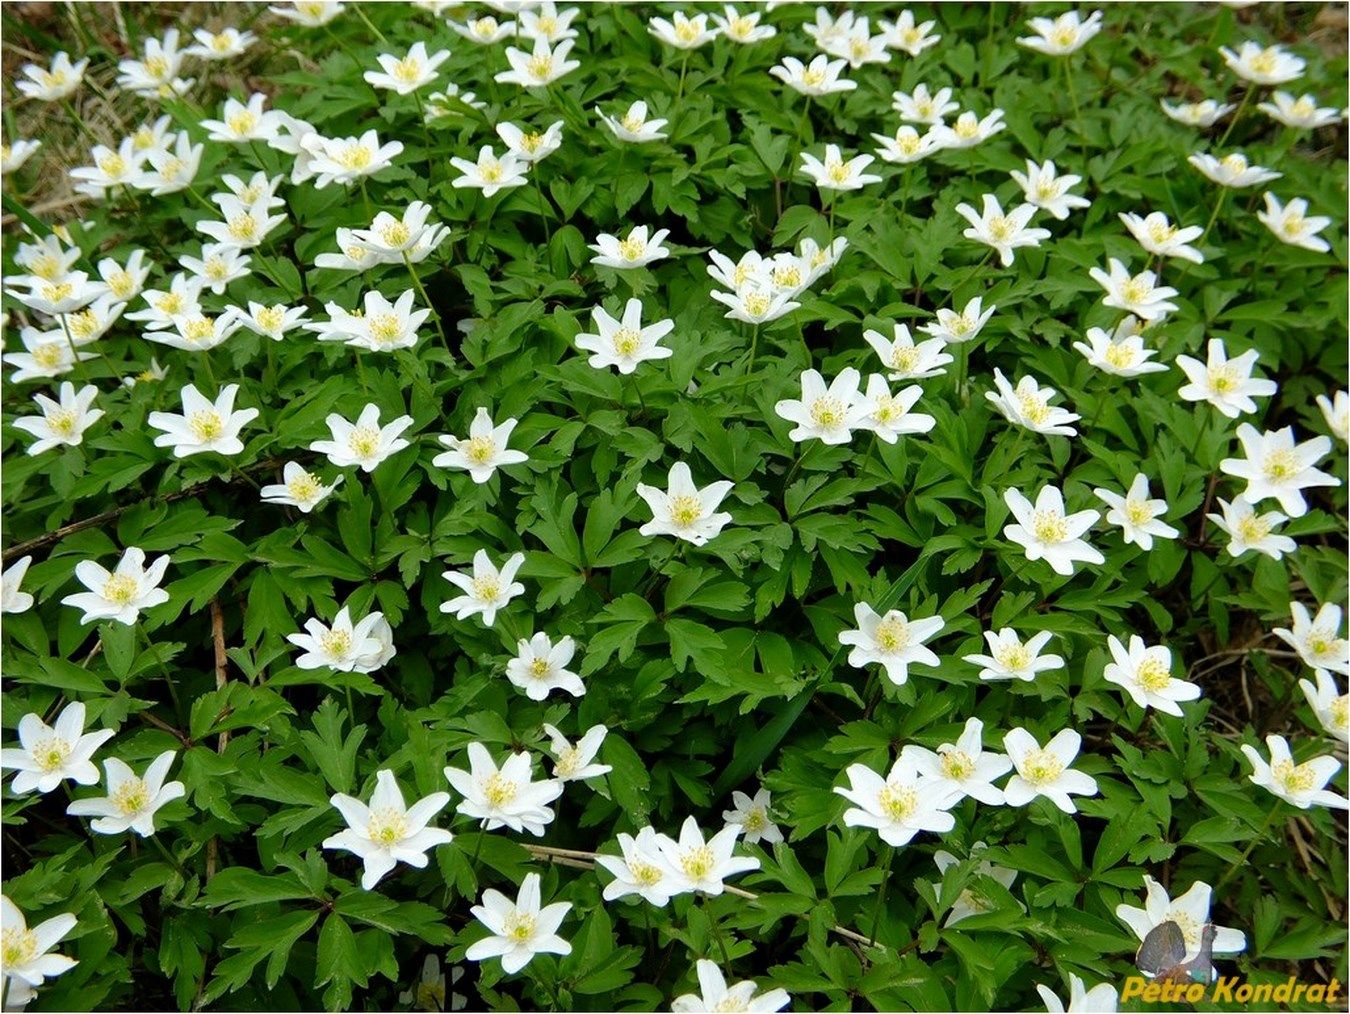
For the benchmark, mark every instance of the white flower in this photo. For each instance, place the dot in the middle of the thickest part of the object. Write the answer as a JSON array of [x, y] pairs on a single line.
[[575, 763], [544, 64], [486, 589], [970, 901], [28, 960], [964, 767], [1331, 707], [1196, 114], [1190, 912], [1336, 412], [907, 146], [1145, 672], [111, 169], [364, 442], [1302, 785], [1048, 191], [969, 130], [742, 28], [1265, 65], [908, 36], [310, 13], [298, 488], [131, 802], [1135, 294], [197, 333], [1157, 235], [155, 75], [1010, 658], [490, 173], [752, 817], [1248, 530], [182, 299], [905, 359], [1301, 114], [505, 796], [829, 414], [381, 326], [1139, 518], [1045, 771], [890, 416], [533, 146], [61, 422], [47, 755], [547, 22], [1028, 405], [1290, 223], [683, 510], [344, 647], [633, 126], [954, 328], [485, 30], [827, 29], [540, 667], [836, 172], [124, 282], [13, 156], [72, 292], [122, 594], [483, 451], [859, 46], [624, 343], [1063, 35], [820, 77], [409, 235], [635, 251], [1046, 533], [220, 45], [346, 160], [388, 831], [893, 640], [900, 805], [715, 995], [1316, 639], [1005, 233], [682, 31], [639, 871], [50, 84], [218, 266], [154, 372], [12, 600], [1119, 352], [1275, 466], [693, 864], [1225, 383], [240, 122], [520, 929], [923, 106], [756, 303], [203, 425], [272, 322], [1232, 170], [1100, 999], [404, 75], [48, 355]]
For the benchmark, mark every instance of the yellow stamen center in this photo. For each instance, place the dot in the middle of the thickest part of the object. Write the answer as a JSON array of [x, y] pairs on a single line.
[[1041, 767]]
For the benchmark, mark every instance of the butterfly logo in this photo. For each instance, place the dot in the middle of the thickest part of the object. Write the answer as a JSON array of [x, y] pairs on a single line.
[[1162, 955]]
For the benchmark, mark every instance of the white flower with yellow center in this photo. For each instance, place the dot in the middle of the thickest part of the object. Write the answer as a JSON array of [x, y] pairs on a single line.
[[1120, 351], [742, 29], [243, 225], [378, 326], [310, 13], [540, 667], [403, 75], [73, 291], [1137, 294], [1246, 529], [683, 510], [1190, 912], [682, 31], [1196, 114], [695, 864], [1139, 518], [889, 416], [57, 81], [47, 354], [1225, 383], [1004, 233], [155, 75], [752, 817], [131, 801], [242, 122], [48, 755], [1291, 224], [486, 589], [345, 647], [907, 145], [639, 248], [576, 763], [61, 422], [546, 22], [1233, 170], [1277, 467], [715, 995], [110, 169], [490, 173], [518, 929], [924, 106], [1157, 235], [1010, 658], [122, 594], [639, 871], [163, 306], [152, 373], [624, 343], [1302, 785], [899, 806], [505, 796], [221, 45], [1046, 533], [1028, 405], [633, 126], [14, 155], [1044, 188], [1301, 114], [541, 66], [1063, 35], [197, 333], [531, 146], [272, 321], [203, 425], [1045, 771], [1331, 707], [972, 900], [756, 302], [908, 35], [25, 954], [953, 328], [837, 173], [819, 77], [123, 282], [388, 831], [218, 266], [1317, 639], [964, 767], [1145, 673], [484, 31], [1263, 65], [858, 46], [903, 359], [829, 414], [364, 442], [893, 640], [968, 130], [347, 160], [483, 451], [298, 488]]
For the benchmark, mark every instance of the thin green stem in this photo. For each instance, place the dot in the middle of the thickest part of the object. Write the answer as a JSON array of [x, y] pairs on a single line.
[[365, 196], [1241, 860], [240, 472], [210, 373], [973, 272], [426, 301], [717, 935], [75, 361], [79, 122], [1077, 112], [754, 343], [368, 23], [1246, 98], [881, 894], [1214, 215], [163, 669], [684, 67], [543, 208]]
